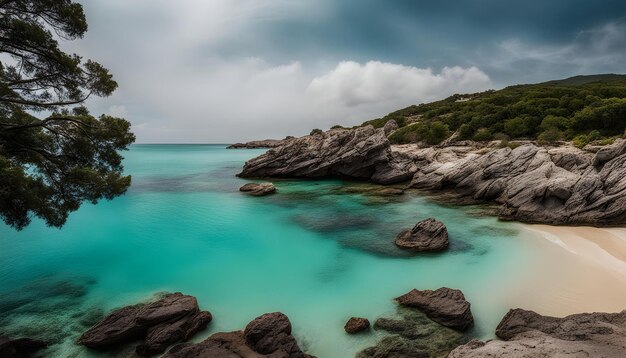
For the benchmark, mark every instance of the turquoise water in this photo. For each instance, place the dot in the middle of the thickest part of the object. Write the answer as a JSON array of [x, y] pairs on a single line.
[[319, 251]]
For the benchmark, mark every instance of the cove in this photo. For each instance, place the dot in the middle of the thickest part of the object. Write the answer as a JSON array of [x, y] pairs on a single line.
[[318, 251]]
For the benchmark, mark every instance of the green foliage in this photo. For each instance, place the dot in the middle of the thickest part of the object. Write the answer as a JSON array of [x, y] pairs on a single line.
[[483, 135], [550, 135], [432, 133], [575, 106], [336, 126], [50, 165], [316, 131]]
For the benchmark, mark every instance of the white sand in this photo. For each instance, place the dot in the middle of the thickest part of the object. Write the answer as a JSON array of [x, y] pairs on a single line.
[[577, 269]]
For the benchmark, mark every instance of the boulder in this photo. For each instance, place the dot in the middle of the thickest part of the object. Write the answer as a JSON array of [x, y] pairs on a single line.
[[267, 336], [390, 127], [352, 153], [356, 324], [258, 189], [445, 306], [20, 347], [172, 318], [527, 334], [426, 235]]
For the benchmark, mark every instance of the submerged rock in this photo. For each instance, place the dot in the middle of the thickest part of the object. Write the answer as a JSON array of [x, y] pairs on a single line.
[[528, 334], [426, 235], [258, 189], [445, 306], [20, 347], [268, 336], [413, 335], [173, 318], [356, 324]]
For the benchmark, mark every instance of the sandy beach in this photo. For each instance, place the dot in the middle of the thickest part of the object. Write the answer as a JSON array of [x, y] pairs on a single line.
[[577, 269]]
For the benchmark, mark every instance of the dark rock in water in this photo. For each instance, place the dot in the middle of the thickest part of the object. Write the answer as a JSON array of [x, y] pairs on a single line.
[[20, 347], [445, 306], [174, 317], [356, 324], [415, 335], [267, 336], [528, 334], [426, 235], [258, 189]]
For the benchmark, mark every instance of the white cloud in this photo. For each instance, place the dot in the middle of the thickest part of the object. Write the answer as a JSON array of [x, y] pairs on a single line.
[[356, 84], [174, 88]]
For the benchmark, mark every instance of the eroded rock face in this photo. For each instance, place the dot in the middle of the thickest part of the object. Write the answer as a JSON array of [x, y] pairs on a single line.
[[445, 306], [390, 127], [356, 324], [258, 189], [562, 186], [527, 334], [426, 235], [172, 318], [353, 153], [267, 336]]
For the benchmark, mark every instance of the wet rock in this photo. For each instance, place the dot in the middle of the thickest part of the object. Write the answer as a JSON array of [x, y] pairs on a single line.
[[356, 324], [414, 335], [426, 235], [172, 318], [528, 334], [445, 306], [20, 347], [268, 336], [258, 189]]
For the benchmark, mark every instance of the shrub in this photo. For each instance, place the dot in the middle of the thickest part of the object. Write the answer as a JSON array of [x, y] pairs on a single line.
[[316, 131], [550, 135], [482, 135]]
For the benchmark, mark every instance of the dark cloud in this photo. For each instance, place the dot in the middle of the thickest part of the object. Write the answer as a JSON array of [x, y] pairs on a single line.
[[231, 70]]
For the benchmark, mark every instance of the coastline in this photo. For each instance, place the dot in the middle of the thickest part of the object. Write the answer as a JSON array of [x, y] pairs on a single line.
[[577, 269]]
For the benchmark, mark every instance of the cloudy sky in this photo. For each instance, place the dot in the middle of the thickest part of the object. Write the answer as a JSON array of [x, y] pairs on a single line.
[[220, 71]]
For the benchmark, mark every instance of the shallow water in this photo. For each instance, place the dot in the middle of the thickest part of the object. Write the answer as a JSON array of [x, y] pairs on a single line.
[[319, 251]]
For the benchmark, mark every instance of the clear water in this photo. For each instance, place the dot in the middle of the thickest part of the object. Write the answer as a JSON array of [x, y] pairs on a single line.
[[319, 251]]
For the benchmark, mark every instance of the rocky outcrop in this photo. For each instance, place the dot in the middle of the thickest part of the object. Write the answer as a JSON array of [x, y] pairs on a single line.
[[353, 153], [258, 189], [268, 336], [445, 306], [390, 127], [172, 318], [563, 185], [356, 324], [20, 347], [528, 334], [426, 235], [256, 144]]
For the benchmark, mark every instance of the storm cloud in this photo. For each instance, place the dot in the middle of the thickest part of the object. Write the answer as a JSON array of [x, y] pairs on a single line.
[[219, 71]]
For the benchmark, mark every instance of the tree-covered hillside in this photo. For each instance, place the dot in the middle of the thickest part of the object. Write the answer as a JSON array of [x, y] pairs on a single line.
[[581, 108]]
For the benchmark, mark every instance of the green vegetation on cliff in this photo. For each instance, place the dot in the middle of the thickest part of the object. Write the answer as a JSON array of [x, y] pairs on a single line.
[[581, 108]]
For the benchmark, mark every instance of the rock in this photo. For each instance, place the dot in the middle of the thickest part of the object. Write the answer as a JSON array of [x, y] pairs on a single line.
[[20, 347], [256, 144], [390, 127], [559, 186], [445, 306], [426, 235], [356, 324], [414, 335], [172, 318], [258, 189], [268, 336], [352, 153], [528, 334]]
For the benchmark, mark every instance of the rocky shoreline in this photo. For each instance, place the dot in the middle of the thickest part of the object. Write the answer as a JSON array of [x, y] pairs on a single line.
[[561, 185]]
